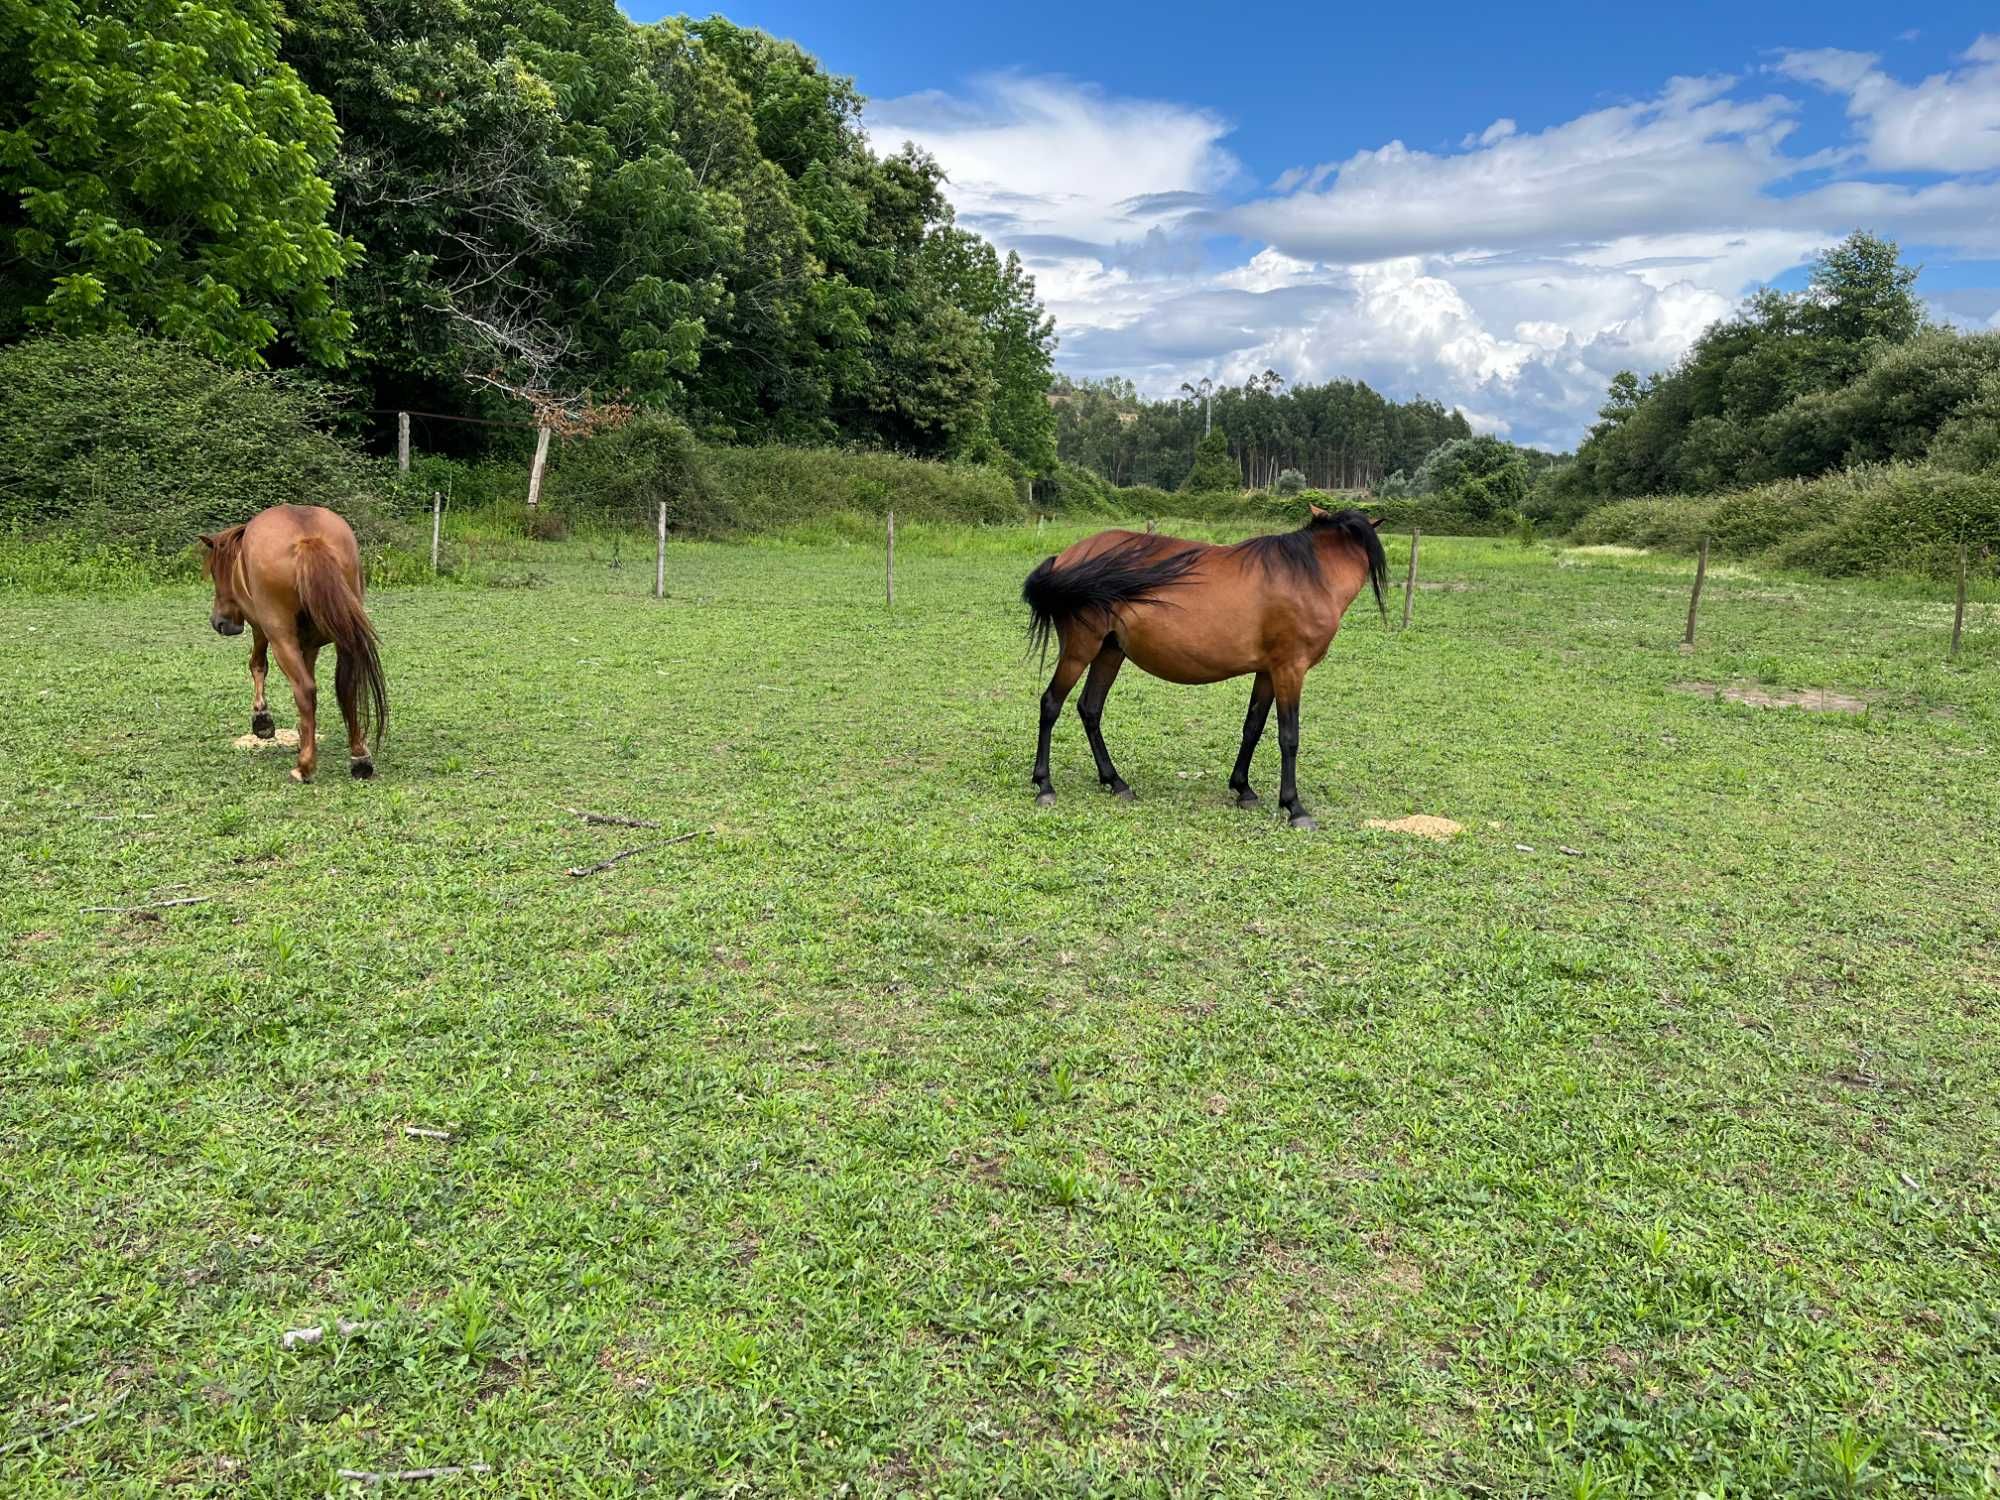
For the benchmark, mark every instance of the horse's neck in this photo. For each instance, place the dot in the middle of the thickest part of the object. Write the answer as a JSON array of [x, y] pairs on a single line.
[[1336, 556]]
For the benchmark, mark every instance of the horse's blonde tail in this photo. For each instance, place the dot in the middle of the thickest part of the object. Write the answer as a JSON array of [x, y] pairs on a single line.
[[334, 607]]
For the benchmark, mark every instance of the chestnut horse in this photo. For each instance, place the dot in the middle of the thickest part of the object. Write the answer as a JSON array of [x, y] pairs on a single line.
[[1193, 612], [294, 573]]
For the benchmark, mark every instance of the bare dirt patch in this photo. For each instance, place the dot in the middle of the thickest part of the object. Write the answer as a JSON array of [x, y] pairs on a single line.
[[1423, 825], [284, 739], [1812, 700]]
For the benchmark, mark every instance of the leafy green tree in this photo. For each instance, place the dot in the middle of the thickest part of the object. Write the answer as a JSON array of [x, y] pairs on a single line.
[[1758, 396], [1484, 476], [1214, 470], [160, 168]]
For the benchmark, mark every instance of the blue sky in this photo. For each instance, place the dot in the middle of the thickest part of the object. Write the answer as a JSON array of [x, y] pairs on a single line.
[[1498, 206]]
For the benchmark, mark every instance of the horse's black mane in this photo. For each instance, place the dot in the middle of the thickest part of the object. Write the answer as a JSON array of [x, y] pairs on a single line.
[[1296, 552]]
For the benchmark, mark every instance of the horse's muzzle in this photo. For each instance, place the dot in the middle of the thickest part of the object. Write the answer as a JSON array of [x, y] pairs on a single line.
[[227, 627]]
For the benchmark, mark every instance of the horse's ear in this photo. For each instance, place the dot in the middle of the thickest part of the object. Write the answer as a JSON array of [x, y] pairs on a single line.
[[1318, 514], [208, 541], [1376, 522]]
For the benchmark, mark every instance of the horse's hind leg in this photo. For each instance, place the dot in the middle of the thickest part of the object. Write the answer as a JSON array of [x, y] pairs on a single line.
[[347, 687], [1068, 668], [1090, 709], [261, 723], [1253, 731]]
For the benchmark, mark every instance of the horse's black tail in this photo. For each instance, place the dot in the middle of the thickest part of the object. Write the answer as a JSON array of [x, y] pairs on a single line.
[[1129, 573], [1358, 529]]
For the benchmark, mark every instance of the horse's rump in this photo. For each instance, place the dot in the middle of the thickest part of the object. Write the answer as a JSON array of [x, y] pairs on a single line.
[[328, 600], [1134, 571]]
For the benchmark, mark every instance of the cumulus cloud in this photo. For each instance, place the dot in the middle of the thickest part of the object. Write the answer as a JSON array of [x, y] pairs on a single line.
[[1055, 157], [1510, 277], [1949, 122]]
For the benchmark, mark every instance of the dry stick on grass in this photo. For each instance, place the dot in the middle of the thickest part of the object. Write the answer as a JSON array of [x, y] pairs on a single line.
[[624, 854], [611, 818], [36, 1437], [151, 905], [425, 1133], [380, 1476]]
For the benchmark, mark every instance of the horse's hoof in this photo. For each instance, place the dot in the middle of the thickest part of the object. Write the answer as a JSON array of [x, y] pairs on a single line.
[[263, 726], [1123, 793], [1248, 800], [1046, 799], [362, 769], [1304, 821], [301, 776]]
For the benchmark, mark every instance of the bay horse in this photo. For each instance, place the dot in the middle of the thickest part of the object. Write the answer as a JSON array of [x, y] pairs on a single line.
[[1195, 612], [293, 573]]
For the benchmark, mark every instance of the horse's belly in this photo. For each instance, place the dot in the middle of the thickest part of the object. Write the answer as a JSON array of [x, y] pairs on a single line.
[[1177, 656]]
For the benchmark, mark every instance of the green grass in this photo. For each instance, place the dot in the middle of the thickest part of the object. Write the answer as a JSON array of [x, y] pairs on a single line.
[[901, 1136]]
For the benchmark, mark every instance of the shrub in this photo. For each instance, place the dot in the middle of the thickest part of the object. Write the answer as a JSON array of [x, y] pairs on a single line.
[[772, 486], [146, 444], [1885, 520], [1073, 489], [1433, 514], [1214, 471], [1290, 482], [1970, 441], [621, 477]]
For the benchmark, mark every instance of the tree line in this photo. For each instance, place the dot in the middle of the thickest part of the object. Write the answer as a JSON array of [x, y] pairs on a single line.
[[1342, 435], [1848, 371], [455, 208]]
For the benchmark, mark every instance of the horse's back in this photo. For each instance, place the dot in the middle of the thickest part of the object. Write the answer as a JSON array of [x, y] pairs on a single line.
[[272, 538]]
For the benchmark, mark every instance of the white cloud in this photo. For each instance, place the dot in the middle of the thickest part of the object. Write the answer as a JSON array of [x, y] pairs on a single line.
[[1050, 157], [1950, 122], [1511, 277]]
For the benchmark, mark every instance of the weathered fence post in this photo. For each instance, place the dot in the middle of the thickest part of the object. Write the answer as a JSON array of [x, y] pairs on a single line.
[[402, 442], [1410, 579], [1958, 616], [535, 473], [1694, 600], [1149, 527], [660, 557], [892, 560], [437, 526]]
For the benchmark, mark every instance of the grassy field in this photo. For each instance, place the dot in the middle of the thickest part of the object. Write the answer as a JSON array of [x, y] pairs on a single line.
[[901, 1137]]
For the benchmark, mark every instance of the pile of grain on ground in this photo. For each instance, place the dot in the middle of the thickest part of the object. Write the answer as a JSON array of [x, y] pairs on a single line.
[[1423, 825]]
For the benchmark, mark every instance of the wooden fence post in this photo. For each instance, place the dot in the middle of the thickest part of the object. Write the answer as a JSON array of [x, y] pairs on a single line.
[[892, 560], [660, 557], [402, 442], [1410, 580], [535, 473], [1694, 600], [1149, 527], [1958, 616], [437, 526]]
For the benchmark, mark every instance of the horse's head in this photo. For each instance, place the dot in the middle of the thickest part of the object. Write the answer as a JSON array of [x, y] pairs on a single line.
[[218, 560]]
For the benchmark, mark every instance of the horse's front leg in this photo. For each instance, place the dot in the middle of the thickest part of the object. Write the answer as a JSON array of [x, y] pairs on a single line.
[[1288, 688], [1253, 731], [261, 723]]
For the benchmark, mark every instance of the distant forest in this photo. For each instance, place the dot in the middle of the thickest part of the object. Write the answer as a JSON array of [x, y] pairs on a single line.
[[1343, 435]]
